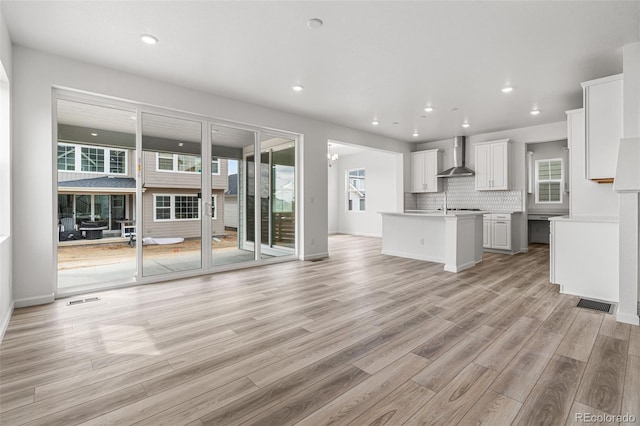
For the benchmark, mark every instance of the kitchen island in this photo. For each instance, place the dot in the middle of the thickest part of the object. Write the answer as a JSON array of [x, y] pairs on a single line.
[[453, 238]]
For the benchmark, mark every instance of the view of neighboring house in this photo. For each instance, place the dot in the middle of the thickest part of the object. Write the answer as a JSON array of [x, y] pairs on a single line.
[[97, 183], [231, 202]]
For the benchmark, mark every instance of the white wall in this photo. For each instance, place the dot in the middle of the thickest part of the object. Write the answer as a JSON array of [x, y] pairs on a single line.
[[6, 250], [519, 137], [545, 151], [383, 189], [333, 194], [37, 72]]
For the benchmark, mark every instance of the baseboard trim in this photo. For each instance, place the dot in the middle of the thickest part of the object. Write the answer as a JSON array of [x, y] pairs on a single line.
[[5, 321], [459, 268], [628, 318], [32, 301], [412, 256], [315, 256]]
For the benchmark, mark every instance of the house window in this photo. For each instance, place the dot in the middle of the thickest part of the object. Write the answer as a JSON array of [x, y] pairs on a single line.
[[549, 181], [117, 161], [66, 157], [165, 161], [189, 163], [163, 207], [186, 207], [176, 207], [356, 190], [90, 159], [215, 166]]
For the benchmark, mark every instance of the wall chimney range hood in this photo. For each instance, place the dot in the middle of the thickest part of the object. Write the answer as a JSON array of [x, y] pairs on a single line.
[[458, 169]]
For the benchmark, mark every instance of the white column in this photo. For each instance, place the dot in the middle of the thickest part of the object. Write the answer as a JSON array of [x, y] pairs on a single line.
[[627, 185]]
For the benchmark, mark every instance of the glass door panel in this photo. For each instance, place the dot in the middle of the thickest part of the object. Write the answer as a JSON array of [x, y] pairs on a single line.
[[95, 146], [232, 180], [277, 208], [172, 200]]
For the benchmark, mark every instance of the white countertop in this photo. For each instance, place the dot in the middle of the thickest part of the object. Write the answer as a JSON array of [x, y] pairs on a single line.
[[435, 213], [592, 219]]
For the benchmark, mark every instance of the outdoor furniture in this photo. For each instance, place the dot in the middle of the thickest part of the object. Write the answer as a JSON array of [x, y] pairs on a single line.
[[68, 230], [92, 230]]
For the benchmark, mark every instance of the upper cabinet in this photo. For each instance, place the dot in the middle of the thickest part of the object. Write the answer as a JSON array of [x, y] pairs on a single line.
[[603, 126], [492, 165], [425, 166]]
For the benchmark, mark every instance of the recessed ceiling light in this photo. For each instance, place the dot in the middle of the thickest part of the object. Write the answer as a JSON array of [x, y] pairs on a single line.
[[535, 112], [94, 134], [180, 143], [428, 109], [297, 88], [149, 39], [465, 125], [315, 23], [214, 131], [415, 134], [507, 89], [375, 122], [133, 117]]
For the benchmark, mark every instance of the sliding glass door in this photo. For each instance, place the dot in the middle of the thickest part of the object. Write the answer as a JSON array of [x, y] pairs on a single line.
[[145, 194], [172, 199], [95, 193]]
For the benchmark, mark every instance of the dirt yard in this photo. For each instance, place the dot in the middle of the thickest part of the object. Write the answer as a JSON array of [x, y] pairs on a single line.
[[83, 255]]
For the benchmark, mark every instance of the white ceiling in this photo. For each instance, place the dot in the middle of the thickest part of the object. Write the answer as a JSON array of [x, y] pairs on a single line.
[[371, 59]]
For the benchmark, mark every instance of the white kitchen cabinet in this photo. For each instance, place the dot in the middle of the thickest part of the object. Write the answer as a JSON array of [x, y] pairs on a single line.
[[492, 165], [603, 126], [425, 166], [500, 232]]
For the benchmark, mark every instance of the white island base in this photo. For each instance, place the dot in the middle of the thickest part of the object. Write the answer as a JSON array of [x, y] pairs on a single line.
[[454, 239]]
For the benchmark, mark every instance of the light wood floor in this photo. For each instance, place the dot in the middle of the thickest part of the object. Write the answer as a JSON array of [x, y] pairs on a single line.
[[359, 338]]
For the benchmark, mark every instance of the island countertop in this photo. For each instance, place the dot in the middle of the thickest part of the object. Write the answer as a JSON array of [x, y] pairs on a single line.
[[453, 238], [436, 213]]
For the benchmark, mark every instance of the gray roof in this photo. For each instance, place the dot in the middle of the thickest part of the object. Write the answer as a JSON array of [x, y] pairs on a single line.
[[100, 182]]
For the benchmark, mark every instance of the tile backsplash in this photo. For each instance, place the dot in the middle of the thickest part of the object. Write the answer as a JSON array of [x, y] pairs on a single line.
[[461, 193]]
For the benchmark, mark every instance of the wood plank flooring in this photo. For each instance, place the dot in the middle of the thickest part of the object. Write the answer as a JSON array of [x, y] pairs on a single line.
[[356, 339]]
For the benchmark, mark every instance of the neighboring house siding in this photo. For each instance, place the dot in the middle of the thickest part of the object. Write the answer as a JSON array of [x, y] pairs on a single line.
[[178, 228], [231, 211], [165, 179]]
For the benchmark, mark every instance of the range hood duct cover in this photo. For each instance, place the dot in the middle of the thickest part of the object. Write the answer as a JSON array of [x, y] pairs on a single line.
[[458, 169]]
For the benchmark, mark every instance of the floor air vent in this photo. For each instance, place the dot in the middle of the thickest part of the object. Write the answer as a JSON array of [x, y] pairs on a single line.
[[79, 301], [596, 306]]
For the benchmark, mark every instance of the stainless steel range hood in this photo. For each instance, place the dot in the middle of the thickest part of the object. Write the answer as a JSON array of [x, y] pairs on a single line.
[[458, 169]]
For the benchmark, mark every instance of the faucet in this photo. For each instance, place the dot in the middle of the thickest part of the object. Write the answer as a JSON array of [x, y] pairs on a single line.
[[444, 207]]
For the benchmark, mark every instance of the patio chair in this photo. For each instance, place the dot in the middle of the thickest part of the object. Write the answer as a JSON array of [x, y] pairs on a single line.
[[68, 229]]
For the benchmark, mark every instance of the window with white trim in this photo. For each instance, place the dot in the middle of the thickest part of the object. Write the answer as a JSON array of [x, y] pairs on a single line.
[[66, 157], [355, 190], [171, 207], [91, 159], [167, 162], [549, 181]]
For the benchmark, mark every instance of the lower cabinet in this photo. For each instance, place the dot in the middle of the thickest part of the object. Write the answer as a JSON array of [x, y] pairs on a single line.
[[498, 232]]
